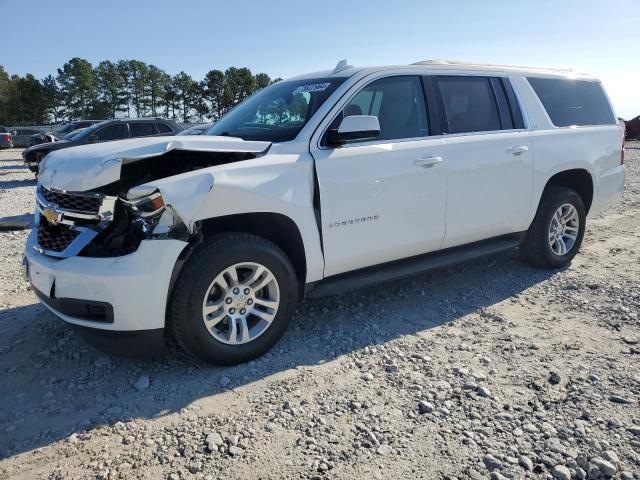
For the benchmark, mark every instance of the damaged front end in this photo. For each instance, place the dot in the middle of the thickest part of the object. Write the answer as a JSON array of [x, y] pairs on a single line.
[[98, 225], [105, 205]]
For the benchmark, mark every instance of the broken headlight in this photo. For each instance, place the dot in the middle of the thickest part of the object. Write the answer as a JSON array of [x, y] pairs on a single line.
[[149, 209]]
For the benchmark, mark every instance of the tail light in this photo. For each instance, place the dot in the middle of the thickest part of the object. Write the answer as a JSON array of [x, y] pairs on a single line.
[[623, 128]]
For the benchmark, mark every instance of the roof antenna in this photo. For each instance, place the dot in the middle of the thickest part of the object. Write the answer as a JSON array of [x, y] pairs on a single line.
[[342, 65]]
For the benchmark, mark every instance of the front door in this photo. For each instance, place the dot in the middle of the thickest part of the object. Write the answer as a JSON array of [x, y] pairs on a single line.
[[385, 199]]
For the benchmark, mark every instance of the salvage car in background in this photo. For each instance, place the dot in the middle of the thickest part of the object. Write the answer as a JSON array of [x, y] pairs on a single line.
[[59, 132], [22, 135], [5, 138], [633, 128], [105, 131], [196, 129]]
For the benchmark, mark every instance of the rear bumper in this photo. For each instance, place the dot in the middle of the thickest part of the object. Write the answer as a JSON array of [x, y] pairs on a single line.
[[119, 294], [610, 187]]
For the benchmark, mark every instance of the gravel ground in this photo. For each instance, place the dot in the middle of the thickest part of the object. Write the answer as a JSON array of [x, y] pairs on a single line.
[[493, 369]]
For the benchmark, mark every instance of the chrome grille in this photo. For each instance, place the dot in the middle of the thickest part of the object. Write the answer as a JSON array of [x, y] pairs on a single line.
[[81, 203], [55, 238]]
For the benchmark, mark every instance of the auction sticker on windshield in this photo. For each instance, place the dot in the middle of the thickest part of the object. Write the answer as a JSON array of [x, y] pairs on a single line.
[[313, 87]]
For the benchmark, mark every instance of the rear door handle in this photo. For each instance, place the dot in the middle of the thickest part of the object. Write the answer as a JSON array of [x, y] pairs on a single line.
[[518, 150], [428, 161]]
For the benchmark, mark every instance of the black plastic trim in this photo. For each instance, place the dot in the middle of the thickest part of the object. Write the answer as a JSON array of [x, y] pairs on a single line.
[[130, 343], [435, 106], [516, 112], [365, 277], [87, 310]]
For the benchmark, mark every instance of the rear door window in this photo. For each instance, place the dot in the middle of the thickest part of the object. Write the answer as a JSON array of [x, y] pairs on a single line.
[[573, 102], [470, 104], [141, 129], [110, 132]]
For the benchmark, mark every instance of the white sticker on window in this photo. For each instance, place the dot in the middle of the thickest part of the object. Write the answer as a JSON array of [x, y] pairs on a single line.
[[313, 87]]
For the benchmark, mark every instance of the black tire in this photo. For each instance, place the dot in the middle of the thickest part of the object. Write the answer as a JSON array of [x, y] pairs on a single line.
[[535, 247], [185, 316]]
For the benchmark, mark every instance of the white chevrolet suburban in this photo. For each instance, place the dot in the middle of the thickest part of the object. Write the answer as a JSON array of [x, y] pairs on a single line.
[[315, 185]]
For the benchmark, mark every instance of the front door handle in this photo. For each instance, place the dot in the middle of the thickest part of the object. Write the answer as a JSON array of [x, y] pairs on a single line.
[[518, 150], [428, 161]]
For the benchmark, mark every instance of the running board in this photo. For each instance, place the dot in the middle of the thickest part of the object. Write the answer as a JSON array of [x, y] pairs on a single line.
[[350, 281]]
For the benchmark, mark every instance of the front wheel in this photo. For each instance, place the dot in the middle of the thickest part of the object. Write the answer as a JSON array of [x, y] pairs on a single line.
[[556, 233], [233, 299]]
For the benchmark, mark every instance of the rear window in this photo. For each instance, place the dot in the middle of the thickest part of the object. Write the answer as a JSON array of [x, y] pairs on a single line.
[[573, 102]]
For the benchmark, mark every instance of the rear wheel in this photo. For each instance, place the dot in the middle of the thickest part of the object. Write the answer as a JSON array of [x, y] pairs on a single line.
[[234, 299], [556, 233]]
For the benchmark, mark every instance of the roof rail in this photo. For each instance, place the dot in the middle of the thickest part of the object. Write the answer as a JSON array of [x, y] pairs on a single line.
[[471, 64]]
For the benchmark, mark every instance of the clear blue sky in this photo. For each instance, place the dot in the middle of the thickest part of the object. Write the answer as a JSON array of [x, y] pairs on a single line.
[[288, 37]]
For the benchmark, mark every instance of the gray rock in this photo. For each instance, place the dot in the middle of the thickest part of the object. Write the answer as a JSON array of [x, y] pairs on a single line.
[[491, 462], [233, 440], [425, 407], [606, 468], [610, 456], [593, 472], [560, 472], [620, 399], [235, 451], [214, 438], [525, 462], [554, 378], [368, 376], [614, 423], [484, 392], [497, 476]]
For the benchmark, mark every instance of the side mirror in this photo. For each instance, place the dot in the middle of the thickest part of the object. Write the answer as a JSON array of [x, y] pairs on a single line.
[[355, 127], [93, 138]]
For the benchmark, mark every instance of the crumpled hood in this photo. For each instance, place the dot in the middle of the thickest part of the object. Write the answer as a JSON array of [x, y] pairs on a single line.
[[87, 167]]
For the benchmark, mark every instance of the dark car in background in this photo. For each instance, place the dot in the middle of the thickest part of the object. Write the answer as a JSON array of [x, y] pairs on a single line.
[[196, 129], [6, 140], [60, 132], [632, 128], [106, 131], [22, 135]]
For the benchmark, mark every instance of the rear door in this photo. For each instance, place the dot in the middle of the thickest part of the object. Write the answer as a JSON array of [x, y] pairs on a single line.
[[384, 199], [488, 155]]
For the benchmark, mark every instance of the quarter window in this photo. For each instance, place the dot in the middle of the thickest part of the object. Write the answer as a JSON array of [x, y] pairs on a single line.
[[573, 102], [469, 103], [398, 102]]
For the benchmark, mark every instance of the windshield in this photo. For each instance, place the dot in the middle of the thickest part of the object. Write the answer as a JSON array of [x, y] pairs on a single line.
[[278, 112], [73, 133]]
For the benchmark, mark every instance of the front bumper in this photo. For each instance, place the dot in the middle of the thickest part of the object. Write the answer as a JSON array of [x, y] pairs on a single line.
[[135, 287]]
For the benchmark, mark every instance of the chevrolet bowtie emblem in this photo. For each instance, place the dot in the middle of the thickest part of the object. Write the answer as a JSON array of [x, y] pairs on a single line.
[[51, 215]]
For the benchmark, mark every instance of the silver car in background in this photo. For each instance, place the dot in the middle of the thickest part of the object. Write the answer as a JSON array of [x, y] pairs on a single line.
[[22, 135]]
